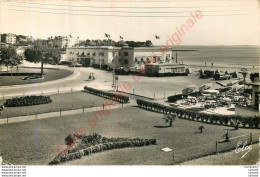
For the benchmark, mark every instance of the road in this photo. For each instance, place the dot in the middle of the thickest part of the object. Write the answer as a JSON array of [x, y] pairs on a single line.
[[75, 82]]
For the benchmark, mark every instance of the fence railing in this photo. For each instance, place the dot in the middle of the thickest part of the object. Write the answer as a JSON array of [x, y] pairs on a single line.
[[216, 147]]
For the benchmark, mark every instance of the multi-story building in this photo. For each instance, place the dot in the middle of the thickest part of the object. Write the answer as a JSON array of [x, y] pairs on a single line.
[[252, 110], [89, 56], [124, 56], [10, 38], [137, 56], [63, 41]]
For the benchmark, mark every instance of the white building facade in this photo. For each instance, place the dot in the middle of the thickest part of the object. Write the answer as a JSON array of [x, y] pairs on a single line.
[[11, 38], [118, 56]]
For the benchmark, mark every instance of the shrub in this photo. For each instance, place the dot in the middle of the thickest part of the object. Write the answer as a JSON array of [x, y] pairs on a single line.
[[117, 97], [27, 101], [250, 122], [105, 144]]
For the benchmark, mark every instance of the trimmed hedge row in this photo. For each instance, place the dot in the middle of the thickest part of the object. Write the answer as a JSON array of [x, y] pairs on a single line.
[[116, 97], [230, 120], [27, 101], [102, 147]]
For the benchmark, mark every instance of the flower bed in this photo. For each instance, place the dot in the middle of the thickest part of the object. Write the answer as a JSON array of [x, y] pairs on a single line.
[[27, 101], [230, 120], [87, 145], [108, 95]]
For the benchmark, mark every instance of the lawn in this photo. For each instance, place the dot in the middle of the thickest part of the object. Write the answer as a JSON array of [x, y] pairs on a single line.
[[18, 140], [64, 101], [228, 158], [50, 74]]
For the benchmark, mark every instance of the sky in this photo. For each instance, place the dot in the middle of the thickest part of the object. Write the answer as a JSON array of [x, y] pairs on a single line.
[[223, 22]]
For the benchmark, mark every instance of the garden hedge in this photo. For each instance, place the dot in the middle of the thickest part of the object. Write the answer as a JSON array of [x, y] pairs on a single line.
[[95, 143], [229, 120], [27, 101], [116, 97]]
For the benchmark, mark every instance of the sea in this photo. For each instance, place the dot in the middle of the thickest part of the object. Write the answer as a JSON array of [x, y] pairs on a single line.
[[238, 57]]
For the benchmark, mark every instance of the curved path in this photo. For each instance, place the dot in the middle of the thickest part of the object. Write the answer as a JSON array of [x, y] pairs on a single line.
[[75, 82]]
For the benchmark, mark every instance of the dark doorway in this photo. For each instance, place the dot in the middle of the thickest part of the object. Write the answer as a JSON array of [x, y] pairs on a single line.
[[257, 99], [85, 62]]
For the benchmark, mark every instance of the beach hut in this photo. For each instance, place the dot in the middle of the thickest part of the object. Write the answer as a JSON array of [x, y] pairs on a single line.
[[201, 72], [234, 74], [188, 71]]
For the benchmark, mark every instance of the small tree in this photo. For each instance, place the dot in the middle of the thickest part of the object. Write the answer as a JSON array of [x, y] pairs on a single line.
[[9, 57], [170, 119], [237, 123], [42, 54], [226, 136], [201, 128]]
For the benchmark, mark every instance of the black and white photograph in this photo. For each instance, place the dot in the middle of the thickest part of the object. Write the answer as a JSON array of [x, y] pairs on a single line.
[[96, 83]]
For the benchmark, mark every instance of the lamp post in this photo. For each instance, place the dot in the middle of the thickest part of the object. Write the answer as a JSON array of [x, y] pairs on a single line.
[[115, 76]]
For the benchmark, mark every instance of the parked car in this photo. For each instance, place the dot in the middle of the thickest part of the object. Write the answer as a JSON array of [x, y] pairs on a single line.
[[75, 64], [220, 76]]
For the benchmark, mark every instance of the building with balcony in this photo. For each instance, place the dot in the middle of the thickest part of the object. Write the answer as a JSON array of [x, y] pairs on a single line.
[[101, 57]]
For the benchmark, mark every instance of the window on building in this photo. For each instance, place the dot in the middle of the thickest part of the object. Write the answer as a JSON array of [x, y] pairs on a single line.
[[125, 62], [155, 59], [148, 59], [125, 53], [119, 53]]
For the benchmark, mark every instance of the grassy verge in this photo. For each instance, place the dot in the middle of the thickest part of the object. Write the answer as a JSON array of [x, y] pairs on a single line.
[[18, 140], [50, 74], [65, 101], [228, 158]]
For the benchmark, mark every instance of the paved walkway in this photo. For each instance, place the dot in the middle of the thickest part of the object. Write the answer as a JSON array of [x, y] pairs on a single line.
[[62, 113]]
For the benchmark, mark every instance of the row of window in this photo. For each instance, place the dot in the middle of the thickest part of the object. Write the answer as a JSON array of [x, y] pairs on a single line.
[[100, 53], [93, 60]]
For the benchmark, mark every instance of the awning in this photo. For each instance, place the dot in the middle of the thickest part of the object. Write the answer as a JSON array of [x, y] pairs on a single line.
[[138, 58]]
